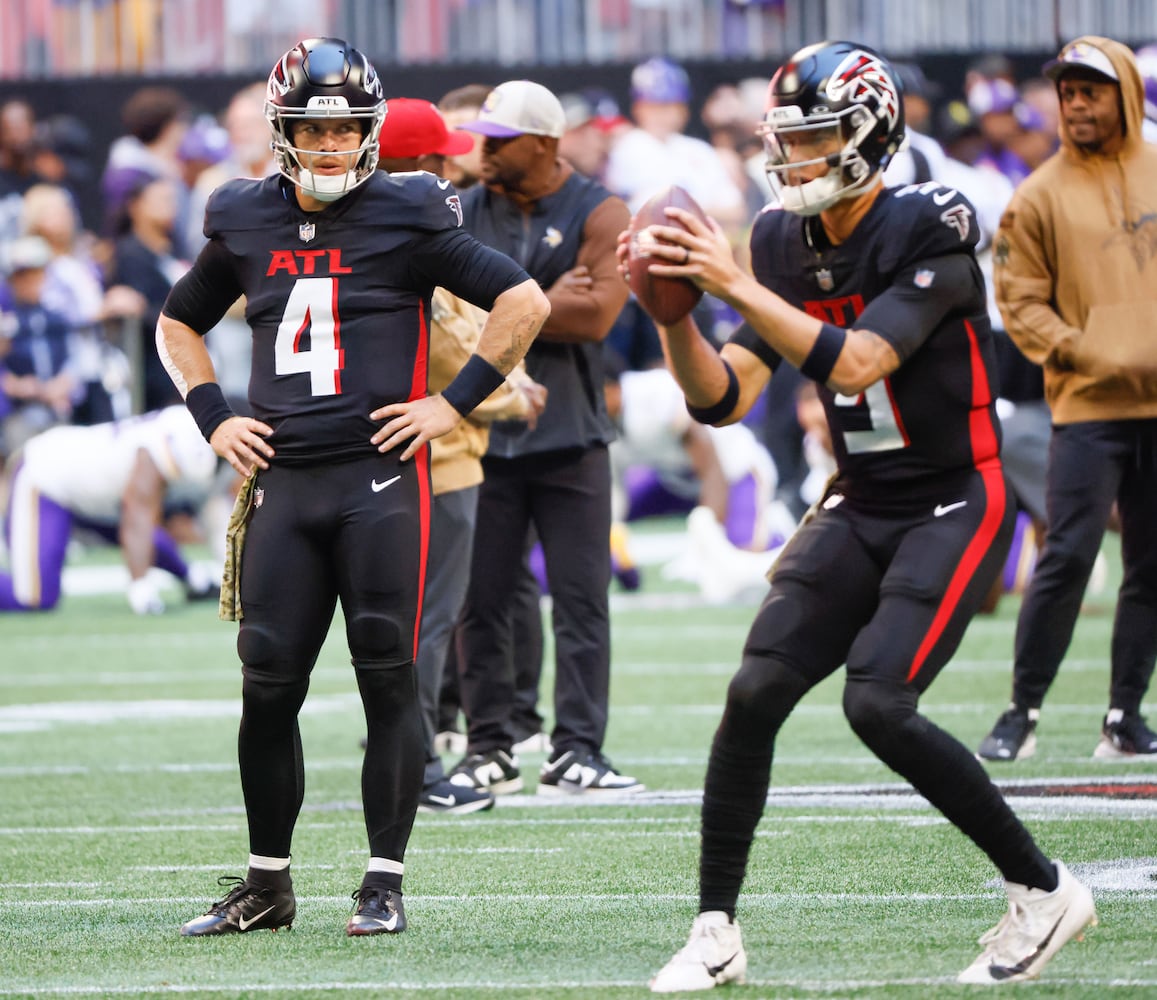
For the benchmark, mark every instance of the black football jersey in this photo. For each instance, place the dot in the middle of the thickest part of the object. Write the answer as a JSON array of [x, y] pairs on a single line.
[[909, 274], [338, 300]]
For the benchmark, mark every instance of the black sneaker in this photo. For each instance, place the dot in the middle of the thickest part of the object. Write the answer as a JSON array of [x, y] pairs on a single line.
[[446, 797], [495, 771], [246, 907], [376, 911], [1013, 737], [578, 772], [1124, 736]]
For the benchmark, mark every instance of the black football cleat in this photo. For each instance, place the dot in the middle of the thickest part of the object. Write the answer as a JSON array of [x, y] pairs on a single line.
[[246, 907], [376, 911]]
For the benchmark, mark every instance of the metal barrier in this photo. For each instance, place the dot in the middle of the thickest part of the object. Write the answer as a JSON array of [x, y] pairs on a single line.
[[53, 38]]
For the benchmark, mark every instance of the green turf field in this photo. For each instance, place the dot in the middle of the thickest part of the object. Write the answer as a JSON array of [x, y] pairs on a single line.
[[120, 805]]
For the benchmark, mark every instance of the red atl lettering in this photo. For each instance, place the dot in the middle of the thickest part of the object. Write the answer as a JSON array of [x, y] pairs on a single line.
[[304, 263], [840, 312]]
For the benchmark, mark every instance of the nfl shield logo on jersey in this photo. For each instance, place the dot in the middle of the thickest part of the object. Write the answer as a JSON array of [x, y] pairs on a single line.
[[258, 497], [924, 278], [307, 231]]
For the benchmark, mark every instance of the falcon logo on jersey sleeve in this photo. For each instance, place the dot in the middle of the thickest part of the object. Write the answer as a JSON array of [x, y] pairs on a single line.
[[958, 217], [932, 200], [455, 205]]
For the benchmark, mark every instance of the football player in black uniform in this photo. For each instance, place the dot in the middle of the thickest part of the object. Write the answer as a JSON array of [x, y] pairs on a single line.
[[337, 262], [875, 294]]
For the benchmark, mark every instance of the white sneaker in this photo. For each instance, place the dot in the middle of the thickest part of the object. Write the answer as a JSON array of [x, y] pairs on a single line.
[[534, 743], [1035, 927], [576, 772], [713, 955]]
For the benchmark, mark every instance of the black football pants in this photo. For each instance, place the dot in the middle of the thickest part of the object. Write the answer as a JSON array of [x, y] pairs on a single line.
[[322, 534], [890, 596]]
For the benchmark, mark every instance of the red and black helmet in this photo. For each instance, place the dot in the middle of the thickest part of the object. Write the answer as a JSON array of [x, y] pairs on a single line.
[[324, 78], [846, 92]]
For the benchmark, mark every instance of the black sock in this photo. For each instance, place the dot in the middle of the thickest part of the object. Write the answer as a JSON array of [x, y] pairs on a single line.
[[383, 880], [279, 881]]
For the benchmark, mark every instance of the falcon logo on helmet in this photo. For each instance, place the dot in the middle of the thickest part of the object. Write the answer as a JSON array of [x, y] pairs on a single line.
[[863, 78]]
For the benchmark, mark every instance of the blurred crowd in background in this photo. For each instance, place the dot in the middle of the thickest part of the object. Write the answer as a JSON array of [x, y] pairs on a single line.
[[78, 304]]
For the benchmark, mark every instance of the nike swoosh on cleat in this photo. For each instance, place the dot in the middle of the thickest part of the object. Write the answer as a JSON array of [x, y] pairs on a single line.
[[946, 508], [442, 800], [714, 970], [389, 924], [1002, 972], [244, 925], [378, 487]]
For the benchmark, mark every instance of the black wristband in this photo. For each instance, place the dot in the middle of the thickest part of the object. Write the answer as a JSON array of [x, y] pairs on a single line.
[[207, 404], [825, 351], [717, 411], [477, 380]]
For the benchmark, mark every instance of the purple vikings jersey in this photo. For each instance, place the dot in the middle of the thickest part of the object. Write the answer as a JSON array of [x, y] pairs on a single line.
[[908, 273], [338, 300]]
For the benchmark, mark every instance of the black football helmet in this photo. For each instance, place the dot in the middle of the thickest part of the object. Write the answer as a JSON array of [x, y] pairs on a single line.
[[836, 103], [324, 78]]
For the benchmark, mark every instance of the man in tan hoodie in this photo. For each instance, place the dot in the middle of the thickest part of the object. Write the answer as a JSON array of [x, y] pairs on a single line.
[[414, 136], [1076, 281]]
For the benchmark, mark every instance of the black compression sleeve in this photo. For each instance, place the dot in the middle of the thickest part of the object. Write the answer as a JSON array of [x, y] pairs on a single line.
[[466, 267], [205, 292]]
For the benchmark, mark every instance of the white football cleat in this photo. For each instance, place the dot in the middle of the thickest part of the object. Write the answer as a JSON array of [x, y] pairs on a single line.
[[1035, 927], [713, 955]]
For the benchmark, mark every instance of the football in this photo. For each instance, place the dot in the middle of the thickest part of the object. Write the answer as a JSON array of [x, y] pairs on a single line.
[[666, 300]]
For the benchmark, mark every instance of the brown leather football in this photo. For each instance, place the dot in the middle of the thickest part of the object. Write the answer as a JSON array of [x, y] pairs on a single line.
[[666, 300]]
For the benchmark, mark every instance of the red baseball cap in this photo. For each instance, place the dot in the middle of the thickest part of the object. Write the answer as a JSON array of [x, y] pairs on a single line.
[[416, 128]]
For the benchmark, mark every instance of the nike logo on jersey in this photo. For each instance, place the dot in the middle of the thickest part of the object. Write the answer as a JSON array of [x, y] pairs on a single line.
[[244, 925], [947, 508], [943, 197], [714, 970], [378, 487]]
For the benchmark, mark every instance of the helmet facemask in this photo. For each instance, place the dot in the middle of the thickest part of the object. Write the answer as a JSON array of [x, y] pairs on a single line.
[[289, 158], [796, 142]]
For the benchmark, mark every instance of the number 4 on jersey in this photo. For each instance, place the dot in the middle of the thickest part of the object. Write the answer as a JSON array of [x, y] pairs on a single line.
[[311, 310]]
